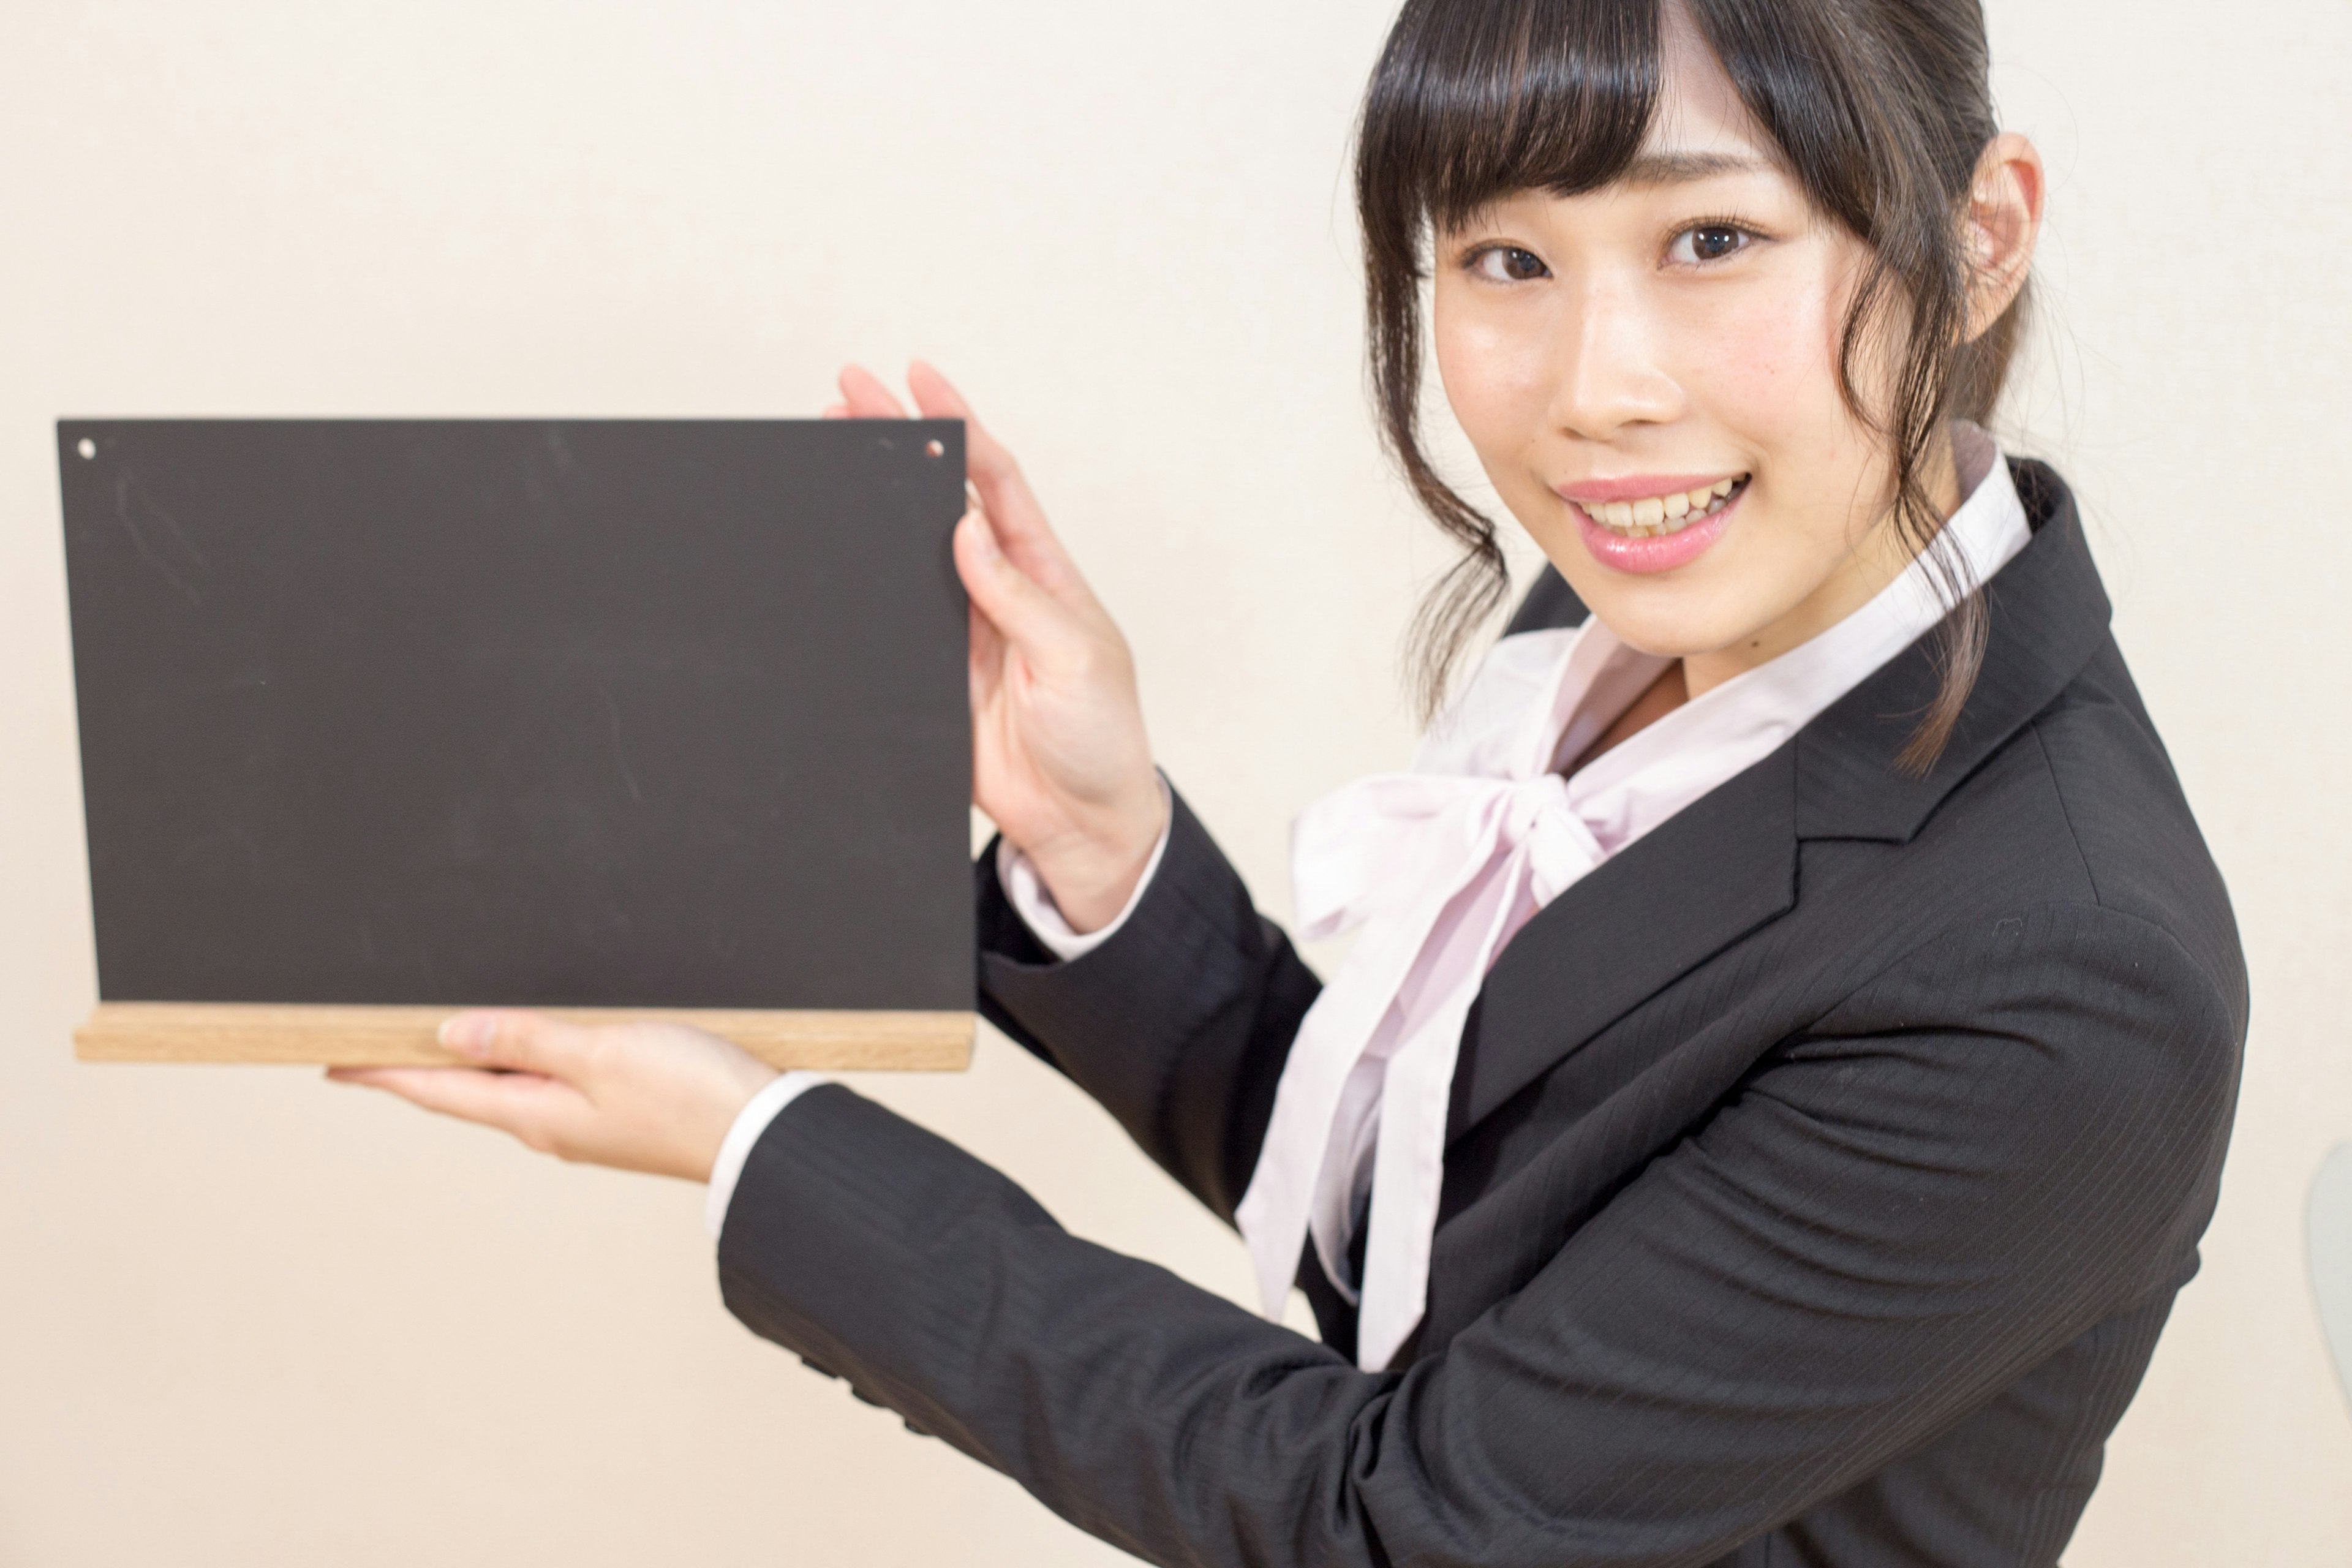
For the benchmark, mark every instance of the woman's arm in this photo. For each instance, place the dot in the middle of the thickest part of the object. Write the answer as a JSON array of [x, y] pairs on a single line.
[[2006, 1141], [1179, 1024]]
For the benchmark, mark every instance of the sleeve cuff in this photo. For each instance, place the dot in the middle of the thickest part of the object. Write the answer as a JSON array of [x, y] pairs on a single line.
[[1025, 891], [750, 1122]]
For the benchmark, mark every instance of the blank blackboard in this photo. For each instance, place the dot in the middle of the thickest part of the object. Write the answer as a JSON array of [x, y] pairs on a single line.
[[650, 714]]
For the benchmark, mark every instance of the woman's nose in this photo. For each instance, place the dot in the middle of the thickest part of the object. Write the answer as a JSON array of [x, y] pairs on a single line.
[[1606, 375]]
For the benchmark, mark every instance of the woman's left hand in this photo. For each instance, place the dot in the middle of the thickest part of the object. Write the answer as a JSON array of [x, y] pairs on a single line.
[[650, 1097]]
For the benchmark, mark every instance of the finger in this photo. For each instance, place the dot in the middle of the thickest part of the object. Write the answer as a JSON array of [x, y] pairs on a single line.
[[524, 1104], [994, 472], [987, 672], [1021, 524], [1020, 611], [867, 398], [987, 649], [519, 1041], [836, 411]]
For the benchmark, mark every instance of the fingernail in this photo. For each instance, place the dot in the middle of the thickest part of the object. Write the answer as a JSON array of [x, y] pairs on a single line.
[[465, 1034], [984, 537]]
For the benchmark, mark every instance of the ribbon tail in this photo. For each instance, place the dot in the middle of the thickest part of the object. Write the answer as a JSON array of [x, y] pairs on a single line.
[[1403, 1220], [1277, 1207], [1409, 1165]]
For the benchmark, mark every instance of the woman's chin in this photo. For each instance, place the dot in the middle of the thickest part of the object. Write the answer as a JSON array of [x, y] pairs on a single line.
[[1669, 620]]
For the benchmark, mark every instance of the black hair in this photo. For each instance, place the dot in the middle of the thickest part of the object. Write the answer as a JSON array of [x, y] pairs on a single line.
[[1879, 108]]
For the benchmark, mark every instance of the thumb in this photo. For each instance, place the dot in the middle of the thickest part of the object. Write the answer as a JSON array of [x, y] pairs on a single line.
[[517, 1041], [1023, 614]]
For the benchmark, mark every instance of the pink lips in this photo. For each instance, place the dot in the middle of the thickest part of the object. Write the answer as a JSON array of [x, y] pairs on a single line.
[[1660, 552]]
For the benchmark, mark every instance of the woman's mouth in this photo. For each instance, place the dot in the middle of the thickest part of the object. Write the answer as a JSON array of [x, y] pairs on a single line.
[[1658, 532], [1652, 517]]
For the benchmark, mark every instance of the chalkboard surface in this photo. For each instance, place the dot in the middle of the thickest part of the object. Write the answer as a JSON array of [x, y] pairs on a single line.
[[666, 714]]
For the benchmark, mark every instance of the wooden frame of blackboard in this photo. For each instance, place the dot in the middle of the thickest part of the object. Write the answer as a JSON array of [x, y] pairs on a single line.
[[336, 1035], [844, 528]]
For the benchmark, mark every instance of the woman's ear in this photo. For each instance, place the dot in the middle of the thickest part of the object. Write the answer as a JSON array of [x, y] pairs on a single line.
[[2004, 219]]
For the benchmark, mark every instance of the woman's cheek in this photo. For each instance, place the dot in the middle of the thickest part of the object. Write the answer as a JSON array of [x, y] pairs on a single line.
[[1757, 371], [1493, 373]]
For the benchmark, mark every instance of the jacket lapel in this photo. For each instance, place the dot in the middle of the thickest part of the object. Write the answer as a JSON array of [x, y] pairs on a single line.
[[1726, 864], [1695, 884]]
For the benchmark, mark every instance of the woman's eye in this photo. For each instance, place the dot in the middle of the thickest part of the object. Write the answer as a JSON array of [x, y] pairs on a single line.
[[1510, 264], [1708, 242]]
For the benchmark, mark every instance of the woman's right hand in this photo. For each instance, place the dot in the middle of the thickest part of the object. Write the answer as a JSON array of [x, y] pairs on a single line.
[[1059, 758]]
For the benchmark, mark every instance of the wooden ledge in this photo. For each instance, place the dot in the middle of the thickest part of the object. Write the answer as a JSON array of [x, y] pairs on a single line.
[[323, 1035]]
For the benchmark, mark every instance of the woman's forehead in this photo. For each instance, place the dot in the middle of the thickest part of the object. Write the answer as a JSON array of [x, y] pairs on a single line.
[[1698, 112]]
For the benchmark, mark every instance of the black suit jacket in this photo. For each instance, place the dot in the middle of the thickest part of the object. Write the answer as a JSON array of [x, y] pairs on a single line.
[[1821, 1169]]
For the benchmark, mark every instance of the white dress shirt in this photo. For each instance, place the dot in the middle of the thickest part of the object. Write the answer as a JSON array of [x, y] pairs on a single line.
[[1441, 864]]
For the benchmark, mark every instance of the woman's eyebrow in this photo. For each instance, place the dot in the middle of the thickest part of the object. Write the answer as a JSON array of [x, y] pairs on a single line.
[[1674, 168]]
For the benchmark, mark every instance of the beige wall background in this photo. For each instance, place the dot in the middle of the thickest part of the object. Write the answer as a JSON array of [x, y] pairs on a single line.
[[249, 1318]]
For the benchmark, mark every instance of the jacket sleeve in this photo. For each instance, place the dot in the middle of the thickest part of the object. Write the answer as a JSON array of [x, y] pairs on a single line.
[[1945, 1182], [1179, 1024]]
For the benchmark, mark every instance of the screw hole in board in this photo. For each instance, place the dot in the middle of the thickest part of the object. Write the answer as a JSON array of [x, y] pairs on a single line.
[[934, 449], [87, 448]]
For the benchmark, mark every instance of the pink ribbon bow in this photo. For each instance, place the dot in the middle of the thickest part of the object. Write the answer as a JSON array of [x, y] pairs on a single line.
[[1440, 870]]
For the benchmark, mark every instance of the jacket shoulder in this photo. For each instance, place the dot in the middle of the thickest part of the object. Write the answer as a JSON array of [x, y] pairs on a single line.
[[2140, 849]]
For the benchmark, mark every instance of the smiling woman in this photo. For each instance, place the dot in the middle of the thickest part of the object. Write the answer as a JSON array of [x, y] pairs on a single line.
[[1786, 1064]]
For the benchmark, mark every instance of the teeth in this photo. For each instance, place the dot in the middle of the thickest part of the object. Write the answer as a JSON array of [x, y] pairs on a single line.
[[1653, 516]]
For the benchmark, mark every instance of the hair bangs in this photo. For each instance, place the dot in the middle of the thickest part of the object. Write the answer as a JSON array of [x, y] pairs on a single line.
[[1474, 103]]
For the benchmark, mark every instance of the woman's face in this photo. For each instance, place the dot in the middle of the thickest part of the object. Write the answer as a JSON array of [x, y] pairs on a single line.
[[1648, 374]]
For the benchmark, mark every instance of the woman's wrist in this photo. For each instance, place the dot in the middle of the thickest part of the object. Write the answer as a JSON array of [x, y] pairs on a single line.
[[1092, 873]]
